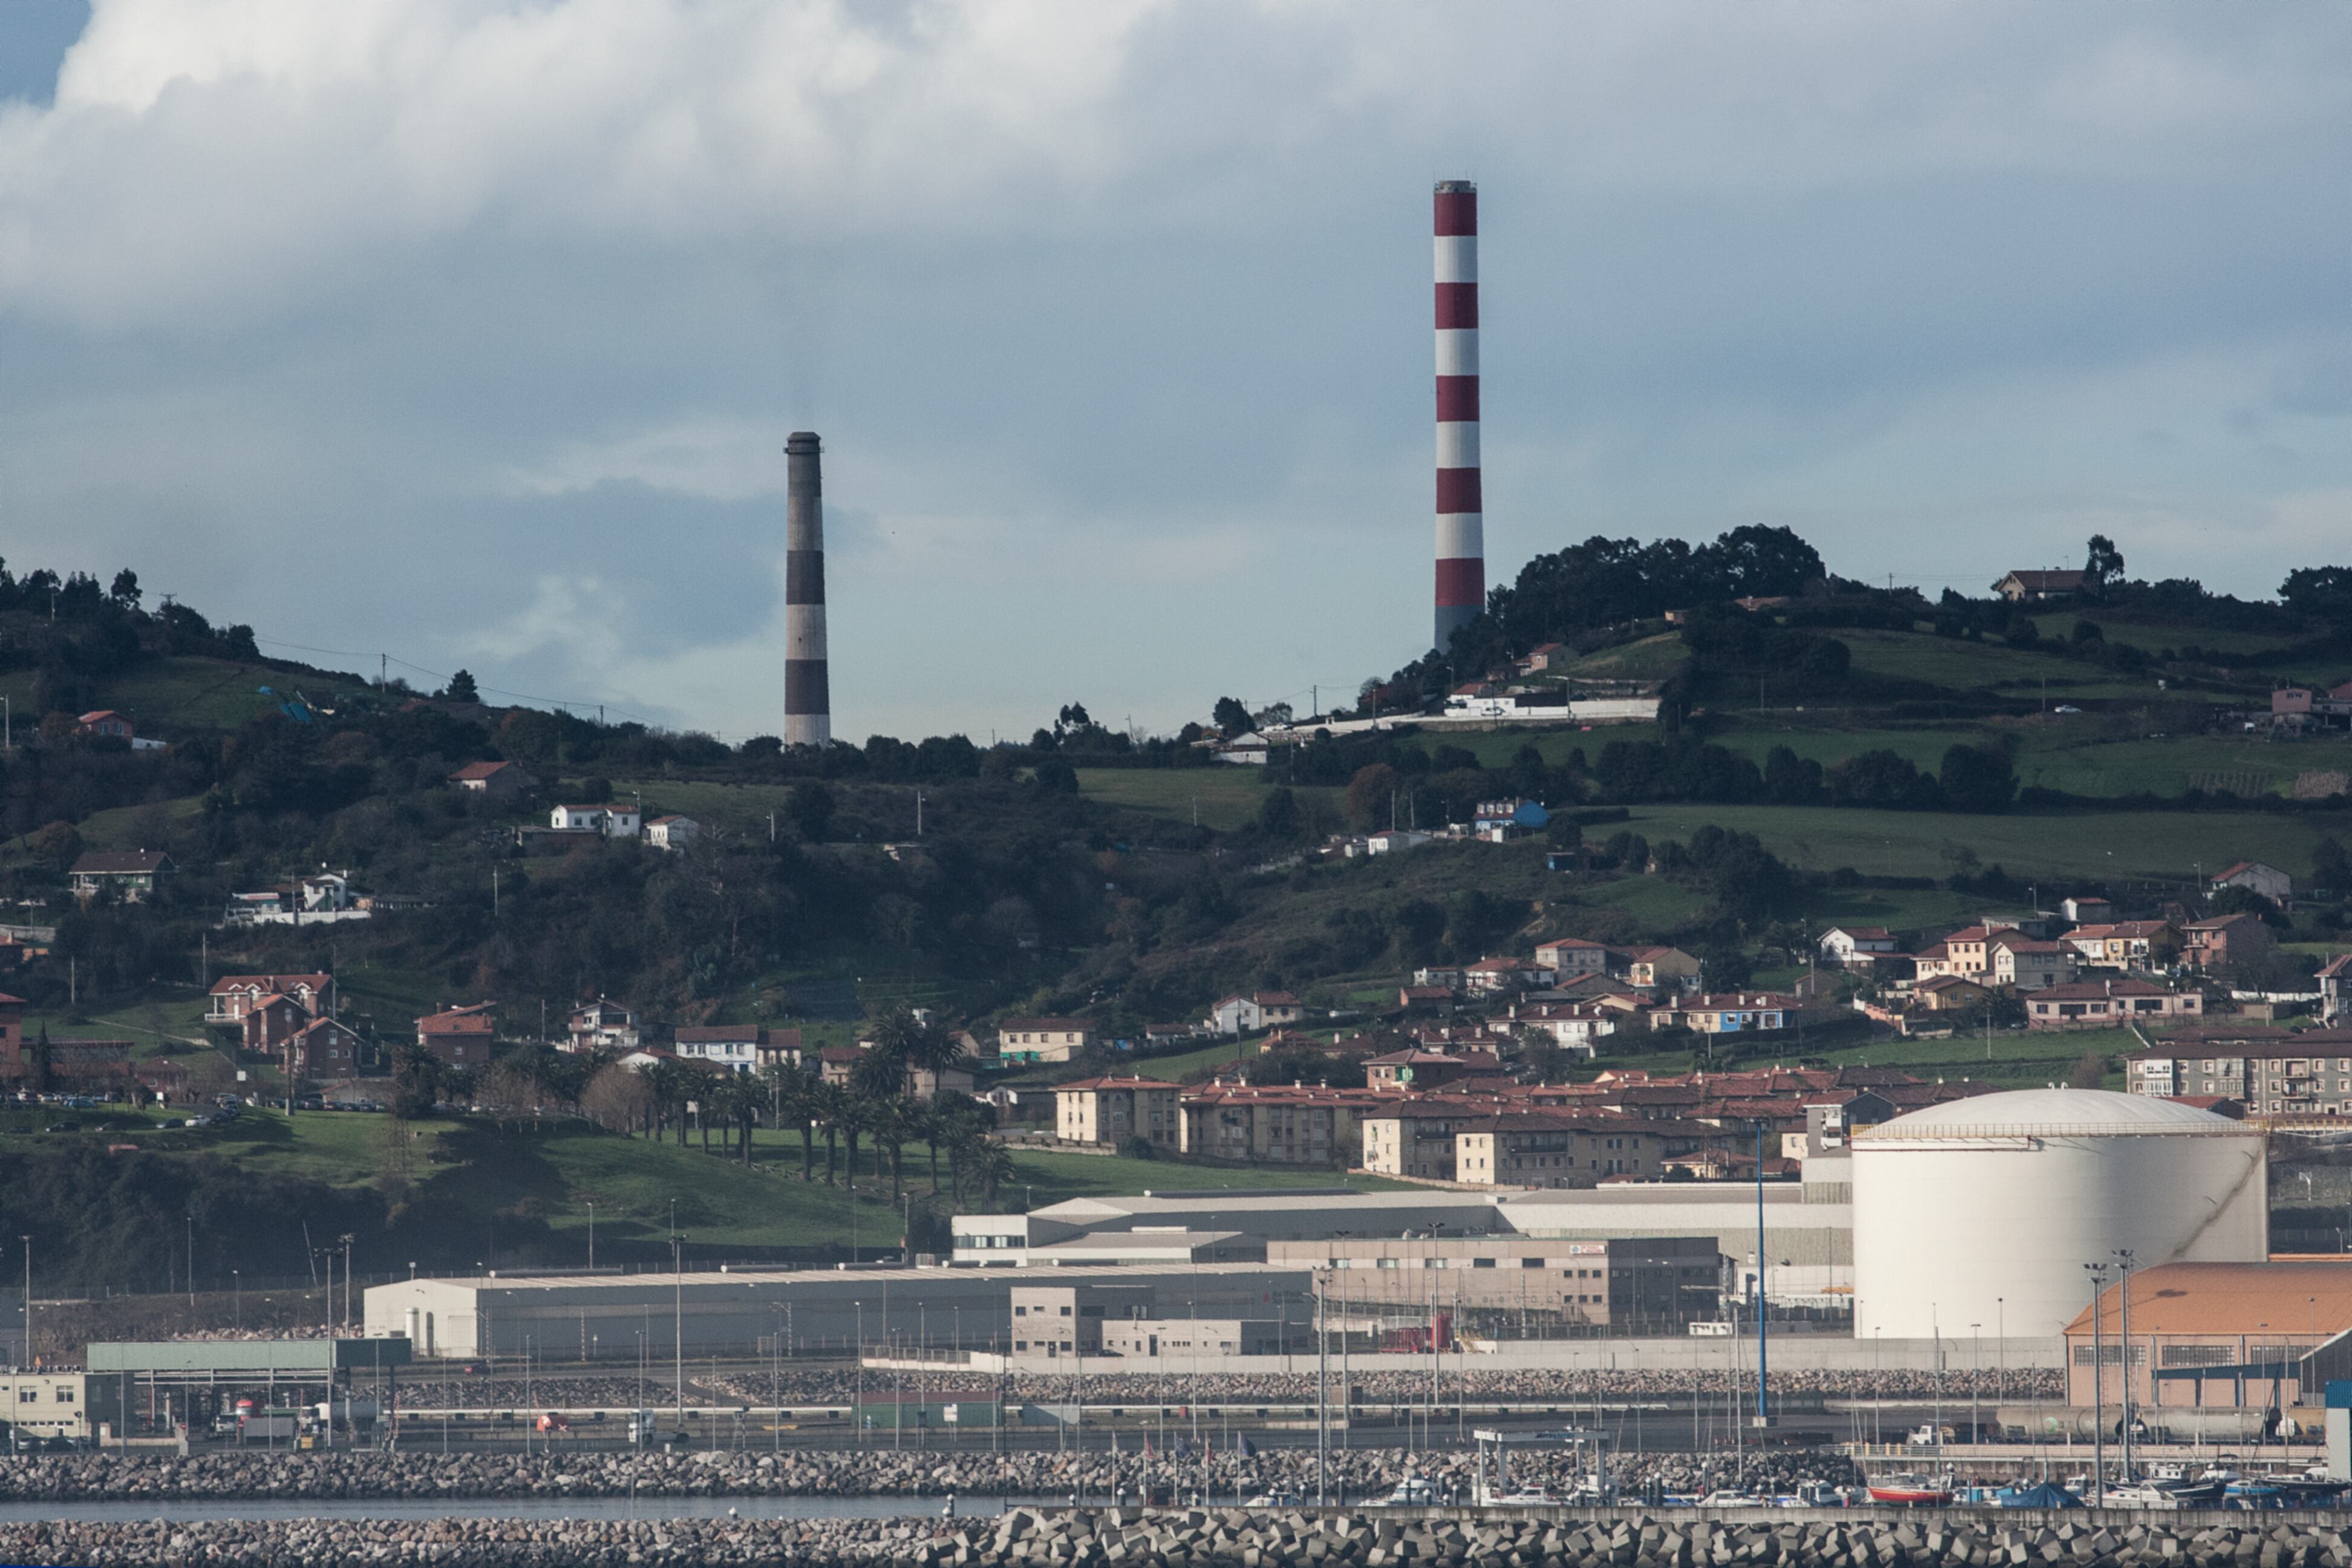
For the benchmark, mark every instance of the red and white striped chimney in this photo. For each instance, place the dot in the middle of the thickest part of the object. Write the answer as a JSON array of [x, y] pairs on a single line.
[[1461, 531]]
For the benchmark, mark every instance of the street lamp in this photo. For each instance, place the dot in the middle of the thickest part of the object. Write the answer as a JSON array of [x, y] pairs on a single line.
[[237, 1289]]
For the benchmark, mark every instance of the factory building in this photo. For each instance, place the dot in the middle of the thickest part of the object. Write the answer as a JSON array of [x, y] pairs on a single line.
[[1807, 1225], [1648, 1284], [1983, 1212], [2249, 1336], [813, 1311]]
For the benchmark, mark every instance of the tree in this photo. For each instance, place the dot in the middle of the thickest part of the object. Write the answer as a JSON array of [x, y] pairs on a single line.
[[1230, 716], [1789, 779], [2330, 867], [2102, 563], [810, 808], [125, 592], [1372, 796], [1277, 814], [461, 689], [1978, 778], [2090, 1071]]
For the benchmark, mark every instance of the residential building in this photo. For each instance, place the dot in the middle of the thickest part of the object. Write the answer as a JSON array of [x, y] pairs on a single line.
[[2106, 1004], [2087, 909], [1572, 1025], [1110, 1110], [1272, 1124], [1547, 656], [134, 876], [1042, 1040], [1841, 945], [737, 1048], [1568, 956], [1948, 994], [1248, 1015], [232, 996], [2336, 988], [2254, 876], [2239, 941], [1414, 1136], [270, 1023], [1546, 1149], [107, 722], [671, 831], [1733, 1013], [2272, 1072], [1421, 1070], [1662, 968], [1499, 821], [2024, 587], [1395, 840], [611, 821], [2027, 964], [837, 1065], [925, 1085], [459, 1038], [324, 1051], [56, 1063], [600, 1025], [2127, 944], [1966, 953], [1493, 976], [497, 781]]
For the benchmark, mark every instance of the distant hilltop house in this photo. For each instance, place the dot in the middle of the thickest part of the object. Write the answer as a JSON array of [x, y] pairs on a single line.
[[1248, 748], [573, 823], [326, 897], [111, 725], [132, 875], [600, 1025], [1248, 1015], [739, 1047], [2031, 587], [611, 821], [2268, 881], [1846, 945], [459, 1037], [671, 832], [498, 781], [2295, 707], [1042, 1040], [1497, 821]]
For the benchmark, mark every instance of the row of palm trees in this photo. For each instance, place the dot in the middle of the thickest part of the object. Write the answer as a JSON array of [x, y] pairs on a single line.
[[875, 1109]]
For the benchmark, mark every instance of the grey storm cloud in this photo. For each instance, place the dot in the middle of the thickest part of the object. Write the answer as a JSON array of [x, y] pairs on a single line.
[[470, 331]]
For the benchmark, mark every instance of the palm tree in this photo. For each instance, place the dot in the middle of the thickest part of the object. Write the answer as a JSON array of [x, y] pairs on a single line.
[[989, 1162], [667, 1080], [891, 1125]]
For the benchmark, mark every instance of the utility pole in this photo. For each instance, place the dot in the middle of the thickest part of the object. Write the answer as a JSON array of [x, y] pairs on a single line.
[[2099, 1273], [2124, 1336]]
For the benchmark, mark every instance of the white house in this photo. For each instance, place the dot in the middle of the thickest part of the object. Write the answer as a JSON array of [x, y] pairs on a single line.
[[1395, 839], [612, 821], [601, 1026], [1249, 747], [671, 832], [2256, 877], [1839, 944], [1247, 1014]]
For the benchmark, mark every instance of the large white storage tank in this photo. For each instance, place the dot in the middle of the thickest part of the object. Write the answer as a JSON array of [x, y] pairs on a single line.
[[1984, 1211]]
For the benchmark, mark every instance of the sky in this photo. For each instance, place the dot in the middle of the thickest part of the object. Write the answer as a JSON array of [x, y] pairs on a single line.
[[467, 333]]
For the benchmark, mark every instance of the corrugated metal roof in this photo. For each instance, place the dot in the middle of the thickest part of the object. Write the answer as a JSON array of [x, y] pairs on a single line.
[[2297, 1300]]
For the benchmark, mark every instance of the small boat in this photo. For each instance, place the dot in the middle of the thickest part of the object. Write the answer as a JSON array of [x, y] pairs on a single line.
[[2143, 1494], [1277, 1499], [1413, 1491], [1911, 1490], [1520, 1497], [1728, 1497], [2252, 1494]]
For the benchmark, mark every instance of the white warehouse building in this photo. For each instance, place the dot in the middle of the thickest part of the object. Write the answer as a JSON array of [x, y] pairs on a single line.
[[1979, 1216]]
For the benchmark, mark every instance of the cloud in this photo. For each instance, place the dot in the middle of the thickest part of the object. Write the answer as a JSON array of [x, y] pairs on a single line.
[[470, 330]]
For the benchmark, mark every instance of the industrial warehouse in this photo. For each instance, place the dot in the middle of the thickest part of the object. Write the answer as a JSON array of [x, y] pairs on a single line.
[[1913, 1243]]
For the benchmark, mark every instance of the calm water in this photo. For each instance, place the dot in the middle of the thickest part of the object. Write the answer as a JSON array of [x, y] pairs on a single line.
[[647, 1507]]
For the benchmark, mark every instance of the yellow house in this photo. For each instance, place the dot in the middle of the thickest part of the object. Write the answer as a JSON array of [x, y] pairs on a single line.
[[1113, 1109]]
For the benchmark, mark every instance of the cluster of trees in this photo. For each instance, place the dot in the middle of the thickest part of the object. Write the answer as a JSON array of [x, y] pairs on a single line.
[[1973, 778], [875, 1109]]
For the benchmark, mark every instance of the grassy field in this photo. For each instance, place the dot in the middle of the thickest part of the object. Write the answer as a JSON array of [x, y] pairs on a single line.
[[2155, 638], [1225, 797], [1650, 659], [2152, 844], [1959, 665], [1047, 1178], [2017, 1059]]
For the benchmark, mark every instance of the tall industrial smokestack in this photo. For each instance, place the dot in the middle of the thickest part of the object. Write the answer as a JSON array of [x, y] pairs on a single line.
[[808, 698], [1461, 528]]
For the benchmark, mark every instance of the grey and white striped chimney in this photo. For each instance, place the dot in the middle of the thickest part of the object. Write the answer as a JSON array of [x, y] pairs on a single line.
[[808, 699]]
